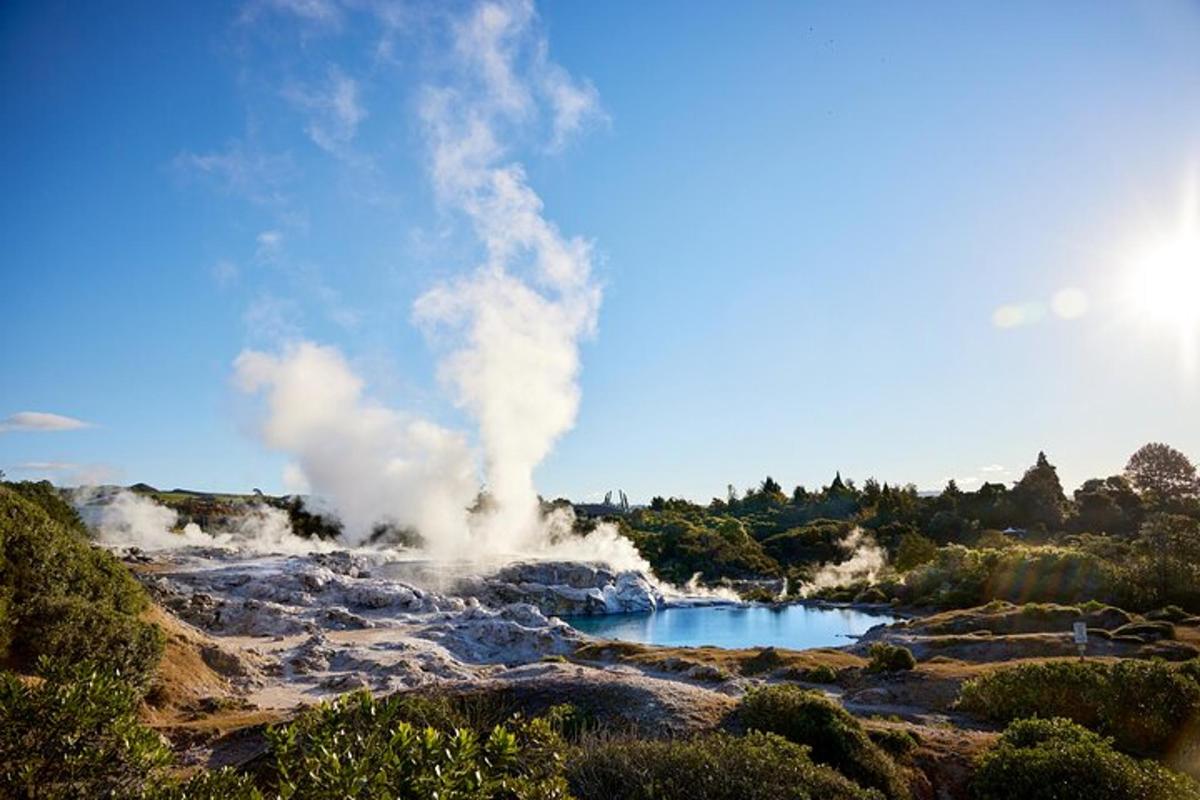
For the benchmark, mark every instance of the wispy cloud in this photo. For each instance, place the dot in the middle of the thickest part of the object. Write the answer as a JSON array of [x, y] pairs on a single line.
[[270, 318], [225, 273], [490, 43], [40, 421], [46, 466], [574, 104], [242, 169], [334, 110], [324, 13], [994, 468], [268, 244]]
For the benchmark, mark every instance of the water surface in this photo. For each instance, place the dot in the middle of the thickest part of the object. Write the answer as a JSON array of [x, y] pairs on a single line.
[[795, 627]]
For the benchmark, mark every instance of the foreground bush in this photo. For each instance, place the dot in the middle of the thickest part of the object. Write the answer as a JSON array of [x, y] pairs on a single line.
[[719, 766], [74, 734], [1147, 706], [75, 630], [1056, 759], [58, 591], [361, 747], [835, 737]]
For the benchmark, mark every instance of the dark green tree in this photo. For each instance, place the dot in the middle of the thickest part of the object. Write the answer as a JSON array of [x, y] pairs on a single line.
[[1039, 497]]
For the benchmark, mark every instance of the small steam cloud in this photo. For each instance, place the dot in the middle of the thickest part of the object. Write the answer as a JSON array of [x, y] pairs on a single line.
[[508, 332], [121, 518], [373, 463], [865, 560], [125, 519]]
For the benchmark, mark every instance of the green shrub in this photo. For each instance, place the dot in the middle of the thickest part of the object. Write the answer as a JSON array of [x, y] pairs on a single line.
[[1145, 705], [55, 587], [49, 499], [915, 550], [74, 734], [1055, 759], [1168, 614], [220, 784], [765, 660], [836, 737], [72, 629], [717, 766], [362, 747], [894, 741], [822, 673], [959, 577], [890, 658]]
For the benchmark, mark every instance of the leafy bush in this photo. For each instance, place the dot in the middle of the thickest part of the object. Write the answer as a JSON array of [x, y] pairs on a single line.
[[959, 577], [220, 784], [50, 500], [362, 747], [836, 737], [680, 546], [822, 673], [1146, 705], [894, 741], [1055, 759], [718, 766], [890, 658], [914, 550], [52, 581], [75, 630], [74, 734]]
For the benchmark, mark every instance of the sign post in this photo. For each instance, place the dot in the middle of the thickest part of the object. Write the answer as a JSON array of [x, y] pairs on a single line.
[[1080, 631]]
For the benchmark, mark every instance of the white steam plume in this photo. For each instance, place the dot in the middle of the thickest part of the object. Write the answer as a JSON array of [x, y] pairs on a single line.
[[515, 323], [509, 330], [373, 463], [121, 518], [866, 559]]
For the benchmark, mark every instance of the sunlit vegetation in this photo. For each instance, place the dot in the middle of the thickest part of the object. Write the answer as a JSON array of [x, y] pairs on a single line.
[[835, 737], [1055, 759], [1148, 707], [74, 734], [63, 597], [1131, 539]]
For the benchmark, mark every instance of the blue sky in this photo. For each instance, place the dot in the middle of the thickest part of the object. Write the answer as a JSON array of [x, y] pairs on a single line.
[[831, 236]]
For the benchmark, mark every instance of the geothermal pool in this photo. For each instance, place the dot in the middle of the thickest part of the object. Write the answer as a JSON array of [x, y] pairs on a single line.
[[795, 627]]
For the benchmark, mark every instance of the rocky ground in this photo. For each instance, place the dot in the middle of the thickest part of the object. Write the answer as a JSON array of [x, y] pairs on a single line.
[[290, 629], [252, 638]]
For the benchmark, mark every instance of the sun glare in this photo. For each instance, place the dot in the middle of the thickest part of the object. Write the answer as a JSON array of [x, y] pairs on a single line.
[[1166, 282]]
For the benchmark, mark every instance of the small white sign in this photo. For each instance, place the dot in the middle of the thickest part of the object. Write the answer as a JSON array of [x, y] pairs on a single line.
[[1080, 632]]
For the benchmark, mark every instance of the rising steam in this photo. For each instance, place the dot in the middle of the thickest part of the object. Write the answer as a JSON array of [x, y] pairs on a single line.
[[508, 331], [865, 559], [121, 518]]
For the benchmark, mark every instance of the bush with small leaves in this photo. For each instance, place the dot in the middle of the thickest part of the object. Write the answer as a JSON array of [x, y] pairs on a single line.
[[716, 766], [1148, 706], [220, 784], [360, 747], [890, 658], [822, 673], [836, 738], [1056, 759], [894, 741], [62, 597], [74, 734], [75, 630]]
